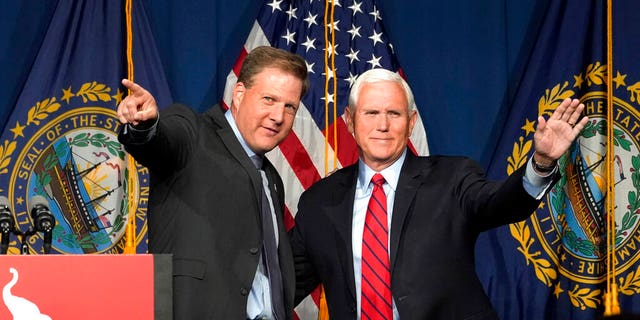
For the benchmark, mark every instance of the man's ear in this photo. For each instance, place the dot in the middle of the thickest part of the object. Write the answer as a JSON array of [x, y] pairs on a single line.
[[238, 94], [349, 119], [412, 120]]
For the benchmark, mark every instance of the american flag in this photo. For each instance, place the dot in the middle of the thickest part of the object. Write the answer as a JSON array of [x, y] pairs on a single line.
[[339, 41]]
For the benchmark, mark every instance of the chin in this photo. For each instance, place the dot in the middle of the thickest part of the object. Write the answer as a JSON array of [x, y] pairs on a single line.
[[381, 159], [268, 148]]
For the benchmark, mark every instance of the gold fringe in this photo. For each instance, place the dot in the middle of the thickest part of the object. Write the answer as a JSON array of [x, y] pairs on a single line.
[[323, 310]]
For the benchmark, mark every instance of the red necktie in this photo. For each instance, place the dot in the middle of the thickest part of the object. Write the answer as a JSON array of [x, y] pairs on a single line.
[[376, 300]]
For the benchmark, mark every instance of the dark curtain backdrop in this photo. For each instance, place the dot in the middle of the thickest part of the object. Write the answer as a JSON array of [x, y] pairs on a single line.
[[462, 58]]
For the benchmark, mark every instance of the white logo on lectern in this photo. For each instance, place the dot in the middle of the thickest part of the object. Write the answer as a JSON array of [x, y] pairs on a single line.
[[20, 308]]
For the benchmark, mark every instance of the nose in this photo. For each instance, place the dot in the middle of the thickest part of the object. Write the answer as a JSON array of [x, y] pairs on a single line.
[[382, 122], [277, 113]]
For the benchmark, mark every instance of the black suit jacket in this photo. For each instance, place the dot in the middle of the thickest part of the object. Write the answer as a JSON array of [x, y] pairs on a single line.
[[204, 208], [441, 205]]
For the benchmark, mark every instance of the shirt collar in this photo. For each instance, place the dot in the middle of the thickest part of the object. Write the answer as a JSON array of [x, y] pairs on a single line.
[[391, 173], [236, 131]]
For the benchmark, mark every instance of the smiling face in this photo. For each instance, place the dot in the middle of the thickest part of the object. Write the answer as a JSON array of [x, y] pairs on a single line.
[[381, 123], [264, 111]]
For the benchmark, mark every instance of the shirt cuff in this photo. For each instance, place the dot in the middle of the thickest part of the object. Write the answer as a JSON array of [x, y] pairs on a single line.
[[141, 133], [536, 184]]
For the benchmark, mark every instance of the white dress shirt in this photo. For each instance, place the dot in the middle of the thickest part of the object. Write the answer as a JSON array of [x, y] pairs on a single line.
[[535, 185], [259, 299]]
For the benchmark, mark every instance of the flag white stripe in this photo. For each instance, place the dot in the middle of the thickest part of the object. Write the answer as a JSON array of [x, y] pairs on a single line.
[[419, 138], [289, 178]]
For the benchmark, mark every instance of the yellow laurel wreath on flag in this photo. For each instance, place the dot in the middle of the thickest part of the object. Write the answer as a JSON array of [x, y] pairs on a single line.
[[580, 297]]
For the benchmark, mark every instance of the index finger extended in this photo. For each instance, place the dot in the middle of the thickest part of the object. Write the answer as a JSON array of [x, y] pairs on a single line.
[[135, 88]]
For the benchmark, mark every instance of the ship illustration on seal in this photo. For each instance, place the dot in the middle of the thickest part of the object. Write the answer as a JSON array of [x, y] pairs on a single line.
[[585, 197], [64, 184]]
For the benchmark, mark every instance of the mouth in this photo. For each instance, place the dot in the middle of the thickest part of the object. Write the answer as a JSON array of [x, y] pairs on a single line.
[[271, 131]]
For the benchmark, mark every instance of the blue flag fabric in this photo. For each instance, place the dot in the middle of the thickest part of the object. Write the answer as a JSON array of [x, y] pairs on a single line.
[[60, 141], [553, 265]]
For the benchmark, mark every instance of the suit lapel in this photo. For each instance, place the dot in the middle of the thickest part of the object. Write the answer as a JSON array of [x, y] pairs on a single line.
[[408, 184], [276, 196], [235, 149], [340, 212], [272, 173]]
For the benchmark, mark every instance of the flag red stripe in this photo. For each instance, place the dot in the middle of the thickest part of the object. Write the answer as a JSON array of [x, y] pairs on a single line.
[[289, 221], [412, 148], [238, 65], [295, 153], [315, 295], [347, 148]]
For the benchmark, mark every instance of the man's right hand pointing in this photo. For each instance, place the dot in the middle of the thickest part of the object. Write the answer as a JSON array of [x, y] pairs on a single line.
[[139, 106]]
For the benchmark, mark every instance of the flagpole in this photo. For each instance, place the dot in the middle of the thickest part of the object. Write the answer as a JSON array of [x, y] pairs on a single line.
[[329, 10], [130, 231], [611, 304]]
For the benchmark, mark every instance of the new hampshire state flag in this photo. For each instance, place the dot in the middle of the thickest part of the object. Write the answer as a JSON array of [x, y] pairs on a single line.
[[60, 141], [553, 265]]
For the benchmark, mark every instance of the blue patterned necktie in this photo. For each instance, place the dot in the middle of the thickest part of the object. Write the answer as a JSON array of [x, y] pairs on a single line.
[[269, 246]]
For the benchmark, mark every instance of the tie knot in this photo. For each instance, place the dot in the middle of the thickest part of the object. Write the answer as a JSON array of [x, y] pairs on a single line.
[[257, 161], [378, 179]]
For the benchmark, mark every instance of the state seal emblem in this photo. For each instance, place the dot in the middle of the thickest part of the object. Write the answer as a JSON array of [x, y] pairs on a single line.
[[564, 242], [65, 148]]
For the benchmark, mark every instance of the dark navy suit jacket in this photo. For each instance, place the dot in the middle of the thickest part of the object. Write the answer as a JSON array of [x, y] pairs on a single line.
[[441, 205]]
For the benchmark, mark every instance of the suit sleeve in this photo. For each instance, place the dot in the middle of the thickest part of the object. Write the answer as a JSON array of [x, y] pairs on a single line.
[[169, 147], [494, 203]]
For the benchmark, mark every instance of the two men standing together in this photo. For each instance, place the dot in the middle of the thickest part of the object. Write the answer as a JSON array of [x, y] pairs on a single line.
[[400, 246]]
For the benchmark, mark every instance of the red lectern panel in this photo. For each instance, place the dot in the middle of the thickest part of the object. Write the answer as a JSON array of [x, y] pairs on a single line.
[[79, 287]]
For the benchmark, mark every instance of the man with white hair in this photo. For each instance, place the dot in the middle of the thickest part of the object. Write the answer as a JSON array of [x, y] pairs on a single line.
[[393, 236]]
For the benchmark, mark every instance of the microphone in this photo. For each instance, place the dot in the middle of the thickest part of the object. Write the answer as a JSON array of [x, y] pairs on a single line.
[[7, 224], [43, 220]]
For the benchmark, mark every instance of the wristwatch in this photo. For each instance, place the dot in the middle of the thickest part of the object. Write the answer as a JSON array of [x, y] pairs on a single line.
[[541, 168]]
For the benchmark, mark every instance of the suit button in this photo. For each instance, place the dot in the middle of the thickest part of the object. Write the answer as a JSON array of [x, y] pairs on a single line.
[[244, 291], [253, 251]]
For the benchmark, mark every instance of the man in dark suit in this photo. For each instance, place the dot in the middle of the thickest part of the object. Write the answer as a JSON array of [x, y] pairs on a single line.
[[207, 205], [393, 236]]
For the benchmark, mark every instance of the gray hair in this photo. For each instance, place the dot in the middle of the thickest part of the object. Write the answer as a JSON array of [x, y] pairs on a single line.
[[380, 75]]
